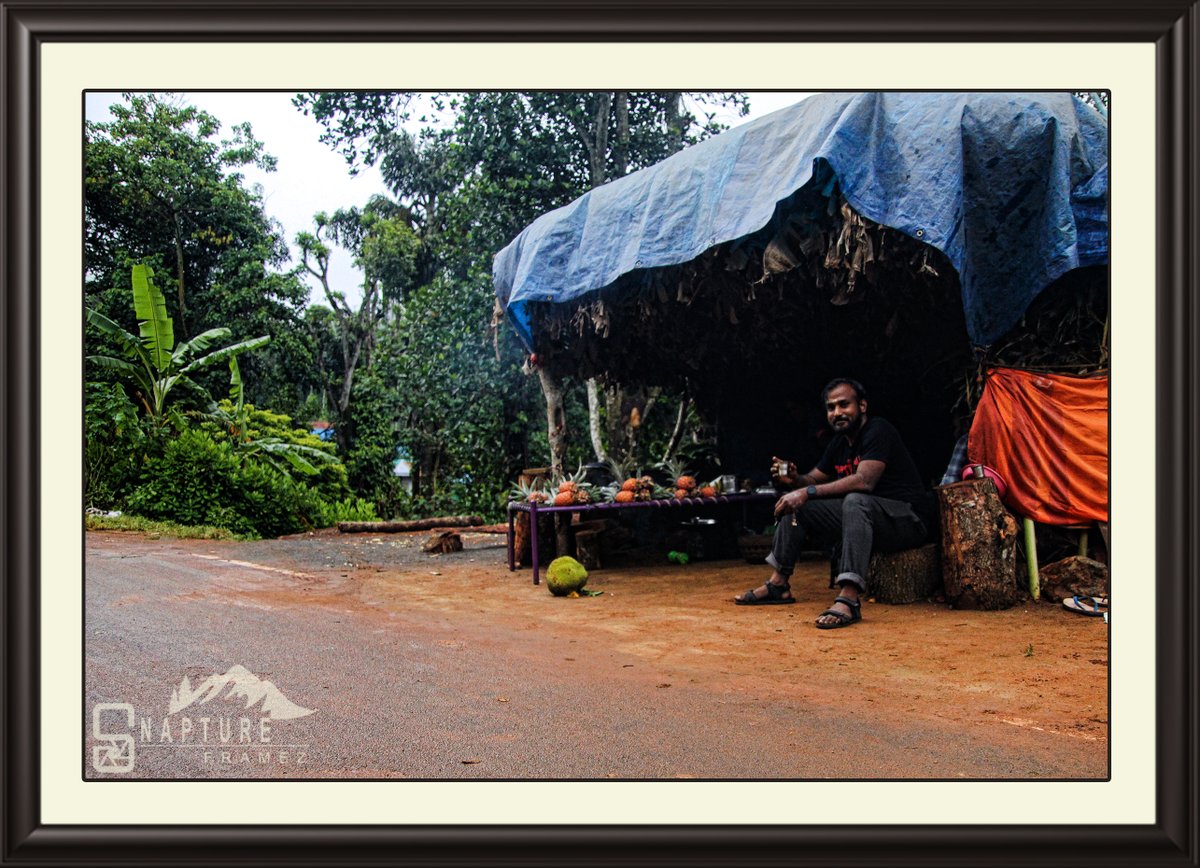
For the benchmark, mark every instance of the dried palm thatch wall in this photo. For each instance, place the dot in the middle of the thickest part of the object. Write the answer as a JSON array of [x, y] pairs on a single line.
[[753, 328]]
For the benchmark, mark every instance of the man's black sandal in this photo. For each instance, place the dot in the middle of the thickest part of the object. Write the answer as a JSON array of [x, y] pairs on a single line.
[[775, 596], [843, 620]]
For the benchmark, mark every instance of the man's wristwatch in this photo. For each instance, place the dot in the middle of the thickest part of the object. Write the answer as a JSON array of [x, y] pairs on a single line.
[[811, 491]]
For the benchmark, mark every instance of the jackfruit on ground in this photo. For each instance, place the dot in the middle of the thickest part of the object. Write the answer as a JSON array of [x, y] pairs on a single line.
[[565, 575]]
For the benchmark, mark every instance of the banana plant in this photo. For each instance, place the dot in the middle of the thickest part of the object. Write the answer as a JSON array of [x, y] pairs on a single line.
[[153, 364]]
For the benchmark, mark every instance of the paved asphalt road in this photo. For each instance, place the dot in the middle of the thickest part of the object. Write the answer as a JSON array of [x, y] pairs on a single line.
[[432, 686]]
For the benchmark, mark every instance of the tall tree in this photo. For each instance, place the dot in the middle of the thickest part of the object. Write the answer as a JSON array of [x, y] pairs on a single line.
[[162, 187], [593, 137], [496, 162], [384, 247]]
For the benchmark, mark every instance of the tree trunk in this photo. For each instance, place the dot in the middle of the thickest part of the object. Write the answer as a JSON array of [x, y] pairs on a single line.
[[593, 398], [599, 143], [183, 329], [677, 434], [556, 422], [405, 526], [621, 146], [674, 119], [979, 547], [556, 432]]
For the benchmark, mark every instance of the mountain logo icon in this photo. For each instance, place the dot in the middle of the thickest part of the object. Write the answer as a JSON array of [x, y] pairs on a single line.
[[238, 683]]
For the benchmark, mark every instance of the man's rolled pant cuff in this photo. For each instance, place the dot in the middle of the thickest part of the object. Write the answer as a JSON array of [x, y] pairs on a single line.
[[786, 572], [854, 579]]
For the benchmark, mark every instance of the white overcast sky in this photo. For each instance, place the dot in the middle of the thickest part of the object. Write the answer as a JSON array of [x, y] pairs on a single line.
[[310, 176]]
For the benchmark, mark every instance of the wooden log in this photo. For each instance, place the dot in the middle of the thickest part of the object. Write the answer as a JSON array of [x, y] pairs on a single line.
[[443, 542], [1074, 576], [900, 577], [405, 526], [521, 549], [587, 548], [979, 547], [905, 576]]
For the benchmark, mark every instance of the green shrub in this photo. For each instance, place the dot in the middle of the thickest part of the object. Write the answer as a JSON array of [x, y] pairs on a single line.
[[330, 480], [199, 481], [349, 509], [114, 444]]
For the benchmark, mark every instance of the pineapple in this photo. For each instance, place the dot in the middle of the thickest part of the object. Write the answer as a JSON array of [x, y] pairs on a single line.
[[573, 490], [570, 484], [709, 489], [623, 496], [529, 492], [684, 481]]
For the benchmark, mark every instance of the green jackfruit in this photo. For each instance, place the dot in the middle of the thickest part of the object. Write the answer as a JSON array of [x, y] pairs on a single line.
[[565, 575]]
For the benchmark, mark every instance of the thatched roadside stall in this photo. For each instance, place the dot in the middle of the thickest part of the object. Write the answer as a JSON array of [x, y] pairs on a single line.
[[904, 239]]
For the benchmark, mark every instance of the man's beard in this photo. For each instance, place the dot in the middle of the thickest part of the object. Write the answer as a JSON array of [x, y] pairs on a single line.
[[851, 426]]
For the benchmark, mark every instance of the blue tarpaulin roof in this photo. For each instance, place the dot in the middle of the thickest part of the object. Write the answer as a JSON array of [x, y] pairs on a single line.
[[1012, 187]]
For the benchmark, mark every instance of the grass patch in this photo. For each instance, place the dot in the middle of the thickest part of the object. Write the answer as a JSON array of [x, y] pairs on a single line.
[[160, 528]]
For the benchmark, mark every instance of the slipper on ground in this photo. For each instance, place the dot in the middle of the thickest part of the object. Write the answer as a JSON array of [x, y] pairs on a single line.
[[1093, 607]]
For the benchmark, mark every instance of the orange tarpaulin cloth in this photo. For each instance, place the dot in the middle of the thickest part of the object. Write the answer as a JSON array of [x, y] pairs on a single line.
[[1047, 435]]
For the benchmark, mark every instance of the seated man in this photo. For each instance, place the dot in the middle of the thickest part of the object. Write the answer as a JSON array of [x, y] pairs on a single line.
[[865, 493]]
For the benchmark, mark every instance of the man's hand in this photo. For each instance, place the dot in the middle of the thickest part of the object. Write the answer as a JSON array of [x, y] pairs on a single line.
[[781, 470], [791, 502]]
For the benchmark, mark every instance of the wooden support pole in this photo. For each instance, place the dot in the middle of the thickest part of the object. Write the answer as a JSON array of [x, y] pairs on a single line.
[[1035, 587]]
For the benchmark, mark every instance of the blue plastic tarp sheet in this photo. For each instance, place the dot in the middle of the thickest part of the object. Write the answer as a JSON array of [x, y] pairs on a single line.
[[1012, 187]]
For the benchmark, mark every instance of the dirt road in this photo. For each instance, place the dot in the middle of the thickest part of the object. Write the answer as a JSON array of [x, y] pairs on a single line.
[[408, 665]]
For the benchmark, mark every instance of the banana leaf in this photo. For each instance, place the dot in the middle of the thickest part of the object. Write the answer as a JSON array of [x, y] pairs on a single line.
[[198, 344], [129, 344], [225, 353], [154, 324]]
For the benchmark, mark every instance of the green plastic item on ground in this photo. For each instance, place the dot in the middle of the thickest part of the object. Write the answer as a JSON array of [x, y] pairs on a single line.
[[680, 558]]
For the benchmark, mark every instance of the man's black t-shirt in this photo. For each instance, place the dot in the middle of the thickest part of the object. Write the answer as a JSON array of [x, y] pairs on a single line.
[[878, 440]]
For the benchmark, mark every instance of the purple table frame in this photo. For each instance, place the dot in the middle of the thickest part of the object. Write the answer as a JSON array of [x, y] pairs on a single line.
[[535, 510]]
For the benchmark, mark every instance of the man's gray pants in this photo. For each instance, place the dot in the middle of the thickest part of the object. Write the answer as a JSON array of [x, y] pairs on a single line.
[[857, 525]]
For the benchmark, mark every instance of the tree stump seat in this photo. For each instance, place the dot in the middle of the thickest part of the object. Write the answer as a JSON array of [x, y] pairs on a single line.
[[587, 547], [904, 576]]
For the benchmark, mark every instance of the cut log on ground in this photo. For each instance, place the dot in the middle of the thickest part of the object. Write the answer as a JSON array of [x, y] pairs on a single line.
[[521, 548], [904, 576], [405, 526], [1074, 576], [443, 543], [587, 548], [979, 547]]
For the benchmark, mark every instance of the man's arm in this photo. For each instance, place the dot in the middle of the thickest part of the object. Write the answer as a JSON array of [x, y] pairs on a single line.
[[863, 480], [781, 470]]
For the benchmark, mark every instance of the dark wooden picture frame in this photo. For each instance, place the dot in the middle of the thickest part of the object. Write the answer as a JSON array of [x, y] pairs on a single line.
[[1170, 25]]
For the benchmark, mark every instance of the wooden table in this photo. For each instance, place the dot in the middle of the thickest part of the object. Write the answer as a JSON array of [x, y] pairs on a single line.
[[534, 510]]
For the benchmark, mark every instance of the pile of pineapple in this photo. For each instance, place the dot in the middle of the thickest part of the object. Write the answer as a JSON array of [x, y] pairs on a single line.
[[630, 487], [685, 482], [573, 490], [638, 488], [529, 491]]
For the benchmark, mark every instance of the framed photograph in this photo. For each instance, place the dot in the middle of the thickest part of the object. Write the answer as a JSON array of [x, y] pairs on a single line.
[[1142, 57]]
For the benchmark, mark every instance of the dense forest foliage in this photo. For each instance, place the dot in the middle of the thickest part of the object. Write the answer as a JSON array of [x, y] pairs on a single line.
[[206, 365]]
